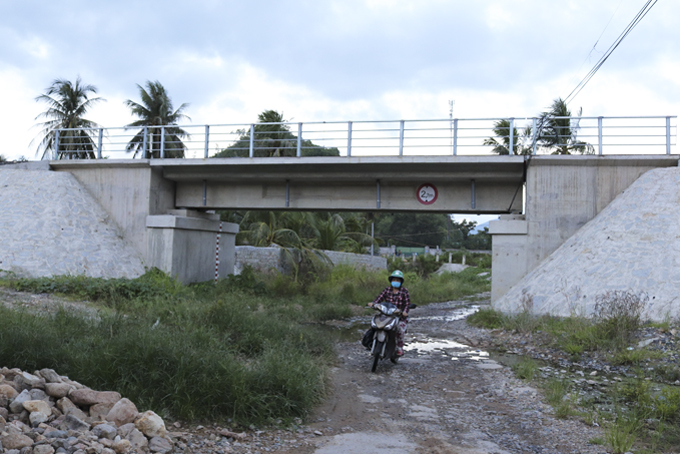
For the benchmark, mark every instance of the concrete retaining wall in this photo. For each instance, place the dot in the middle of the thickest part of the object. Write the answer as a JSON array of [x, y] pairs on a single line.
[[563, 193], [50, 225], [275, 258], [631, 245]]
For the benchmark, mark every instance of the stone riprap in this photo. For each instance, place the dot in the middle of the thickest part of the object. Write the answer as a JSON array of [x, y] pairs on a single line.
[[50, 225], [45, 413], [631, 245]]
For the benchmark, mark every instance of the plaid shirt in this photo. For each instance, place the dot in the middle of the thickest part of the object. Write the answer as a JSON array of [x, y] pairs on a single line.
[[401, 298]]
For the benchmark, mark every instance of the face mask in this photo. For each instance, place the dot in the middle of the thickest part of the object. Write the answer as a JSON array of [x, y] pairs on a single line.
[[396, 284]]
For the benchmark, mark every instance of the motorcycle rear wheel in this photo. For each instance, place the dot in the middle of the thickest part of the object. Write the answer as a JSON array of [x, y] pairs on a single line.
[[376, 355]]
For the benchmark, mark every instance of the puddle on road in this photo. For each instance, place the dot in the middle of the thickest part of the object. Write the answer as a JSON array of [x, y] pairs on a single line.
[[352, 330], [455, 350], [458, 313]]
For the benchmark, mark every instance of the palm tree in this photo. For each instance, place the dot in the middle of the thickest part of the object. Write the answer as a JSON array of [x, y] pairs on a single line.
[[502, 131], [559, 133], [156, 110], [333, 233], [67, 105]]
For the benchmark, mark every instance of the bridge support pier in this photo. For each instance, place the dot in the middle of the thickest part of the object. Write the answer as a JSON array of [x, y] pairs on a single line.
[[185, 244]]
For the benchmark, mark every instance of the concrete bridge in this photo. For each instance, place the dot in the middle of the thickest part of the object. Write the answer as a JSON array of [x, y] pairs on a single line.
[[160, 205]]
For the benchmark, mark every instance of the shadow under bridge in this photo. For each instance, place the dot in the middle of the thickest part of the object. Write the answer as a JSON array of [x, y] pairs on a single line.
[[448, 184]]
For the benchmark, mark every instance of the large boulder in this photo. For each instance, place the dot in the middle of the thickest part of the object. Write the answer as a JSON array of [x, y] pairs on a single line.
[[15, 441], [123, 412], [89, 397], [151, 425]]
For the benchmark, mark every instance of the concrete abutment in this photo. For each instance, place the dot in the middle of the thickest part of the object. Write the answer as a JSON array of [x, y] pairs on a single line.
[[562, 194]]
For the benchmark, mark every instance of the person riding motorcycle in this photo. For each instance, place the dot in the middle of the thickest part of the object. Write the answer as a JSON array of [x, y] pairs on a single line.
[[397, 294]]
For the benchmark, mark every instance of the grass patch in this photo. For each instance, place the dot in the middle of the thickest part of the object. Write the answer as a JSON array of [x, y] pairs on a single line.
[[245, 349], [486, 318], [633, 357], [525, 369]]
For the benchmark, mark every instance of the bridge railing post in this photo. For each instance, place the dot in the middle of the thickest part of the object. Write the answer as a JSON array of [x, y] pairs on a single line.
[[349, 138], [55, 155], [99, 143], [534, 139], [162, 142], [145, 142], [668, 135], [455, 136], [251, 152], [401, 138], [207, 141], [511, 135], [599, 135], [299, 140]]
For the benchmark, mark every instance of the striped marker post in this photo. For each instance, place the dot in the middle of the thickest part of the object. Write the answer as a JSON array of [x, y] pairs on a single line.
[[217, 253]]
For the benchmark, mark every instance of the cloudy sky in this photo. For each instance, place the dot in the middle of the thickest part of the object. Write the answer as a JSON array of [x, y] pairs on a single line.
[[337, 60]]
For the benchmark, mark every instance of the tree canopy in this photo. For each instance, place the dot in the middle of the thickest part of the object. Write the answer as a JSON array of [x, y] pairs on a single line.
[[520, 145], [272, 138], [555, 133], [156, 109], [68, 103], [560, 134]]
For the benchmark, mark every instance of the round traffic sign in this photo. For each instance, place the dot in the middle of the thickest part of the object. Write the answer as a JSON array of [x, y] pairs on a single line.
[[427, 194]]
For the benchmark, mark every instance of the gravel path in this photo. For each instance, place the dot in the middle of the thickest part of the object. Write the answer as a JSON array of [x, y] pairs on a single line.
[[445, 396]]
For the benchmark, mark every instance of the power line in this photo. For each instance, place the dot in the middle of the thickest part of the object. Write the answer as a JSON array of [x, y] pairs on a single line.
[[636, 20]]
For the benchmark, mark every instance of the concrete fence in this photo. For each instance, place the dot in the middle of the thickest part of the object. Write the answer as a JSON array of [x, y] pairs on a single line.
[[277, 258]]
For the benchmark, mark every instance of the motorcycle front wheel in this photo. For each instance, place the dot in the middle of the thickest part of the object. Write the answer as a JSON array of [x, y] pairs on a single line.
[[376, 355]]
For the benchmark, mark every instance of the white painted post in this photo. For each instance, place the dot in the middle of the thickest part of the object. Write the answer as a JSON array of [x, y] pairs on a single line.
[[511, 149], [99, 143], [450, 257], [162, 142], [401, 138], [349, 138], [207, 141], [455, 136], [668, 135], [299, 140], [599, 135], [251, 153], [145, 142], [463, 259], [56, 146]]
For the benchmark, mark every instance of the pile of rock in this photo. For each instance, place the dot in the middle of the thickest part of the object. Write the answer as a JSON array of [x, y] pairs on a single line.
[[45, 413]]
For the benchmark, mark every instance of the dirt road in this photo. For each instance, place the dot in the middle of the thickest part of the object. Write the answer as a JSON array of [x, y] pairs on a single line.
[[446, 396]]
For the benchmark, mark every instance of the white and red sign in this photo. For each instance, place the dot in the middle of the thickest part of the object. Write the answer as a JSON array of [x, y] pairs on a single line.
[[427, 194]]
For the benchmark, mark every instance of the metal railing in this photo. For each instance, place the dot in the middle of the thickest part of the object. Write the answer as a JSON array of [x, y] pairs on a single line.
[[457, 136]]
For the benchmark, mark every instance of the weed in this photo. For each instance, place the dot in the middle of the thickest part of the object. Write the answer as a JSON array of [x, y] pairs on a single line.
[[597, 441], [525, 369], [636, 392], [486, 318], [667, 372], [555, 390], [618, 314], [623, 432], [667, 405], [633, 357], [573, 349]]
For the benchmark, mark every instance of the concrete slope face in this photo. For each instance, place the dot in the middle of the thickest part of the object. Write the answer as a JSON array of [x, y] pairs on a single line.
[[50, 225], [633, 244]]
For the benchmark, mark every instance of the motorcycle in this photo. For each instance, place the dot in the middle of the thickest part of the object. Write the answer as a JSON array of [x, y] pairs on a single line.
[[382, 337]]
